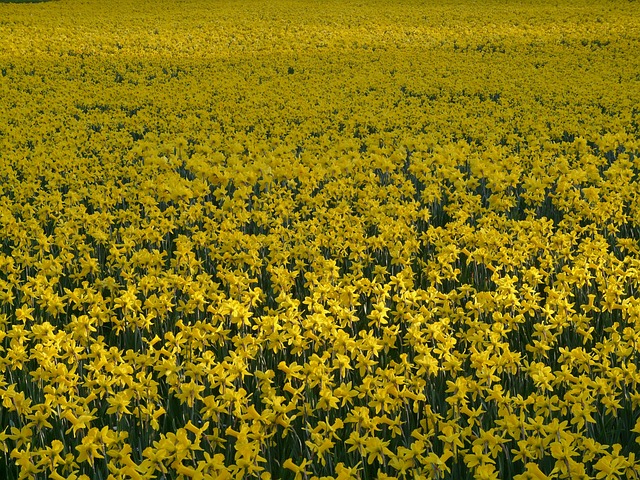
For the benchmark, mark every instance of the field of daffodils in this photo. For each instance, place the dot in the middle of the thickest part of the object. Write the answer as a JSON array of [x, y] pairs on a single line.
[[314, 240]]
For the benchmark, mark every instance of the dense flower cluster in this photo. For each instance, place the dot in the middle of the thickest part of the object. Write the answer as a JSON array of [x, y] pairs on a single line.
[[373, 239]]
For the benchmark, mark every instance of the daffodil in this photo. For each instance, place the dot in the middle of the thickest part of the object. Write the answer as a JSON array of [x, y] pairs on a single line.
[[298, 470], [118, 404], [532, 472], [90, 449]]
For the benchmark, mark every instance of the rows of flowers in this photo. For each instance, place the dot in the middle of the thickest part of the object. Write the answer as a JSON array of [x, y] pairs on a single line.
[[376, 240]]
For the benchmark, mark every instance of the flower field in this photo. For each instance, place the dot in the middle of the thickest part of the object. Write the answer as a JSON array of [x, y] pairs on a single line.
[[340, 239]]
